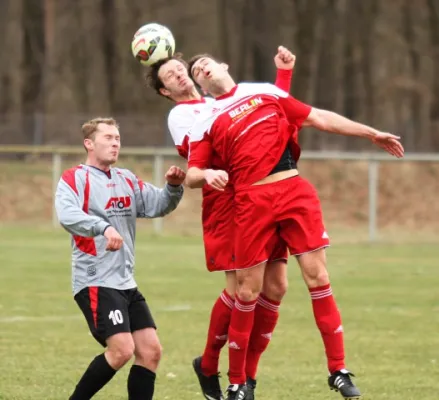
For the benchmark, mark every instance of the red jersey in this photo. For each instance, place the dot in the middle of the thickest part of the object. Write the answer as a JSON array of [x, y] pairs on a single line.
[[249, 128]]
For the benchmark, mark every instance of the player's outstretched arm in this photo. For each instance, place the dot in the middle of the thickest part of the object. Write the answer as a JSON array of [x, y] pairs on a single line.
[[71, 216], [153, 202], [334, 123]]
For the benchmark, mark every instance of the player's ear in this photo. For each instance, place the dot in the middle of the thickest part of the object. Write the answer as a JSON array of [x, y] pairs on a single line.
[[225, 66], [165, 92], [88, 144]]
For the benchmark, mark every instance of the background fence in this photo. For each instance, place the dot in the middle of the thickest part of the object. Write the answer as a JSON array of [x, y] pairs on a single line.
[[374, 179]]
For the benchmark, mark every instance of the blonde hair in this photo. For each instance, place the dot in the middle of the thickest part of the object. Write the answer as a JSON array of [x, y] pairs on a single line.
[[90, 127]]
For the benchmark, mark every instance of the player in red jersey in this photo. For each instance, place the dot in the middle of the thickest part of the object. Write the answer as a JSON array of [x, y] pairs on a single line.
[[248, 126], [169, 77]]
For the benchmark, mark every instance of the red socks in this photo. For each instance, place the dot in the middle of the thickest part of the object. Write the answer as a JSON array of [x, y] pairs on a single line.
[[328, 321], [266, 316], [241, 325], [217, 334]]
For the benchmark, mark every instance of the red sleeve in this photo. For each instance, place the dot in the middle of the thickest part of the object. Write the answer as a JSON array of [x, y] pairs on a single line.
[[183, 149], [295, 111], [200, 153], [283, 79]]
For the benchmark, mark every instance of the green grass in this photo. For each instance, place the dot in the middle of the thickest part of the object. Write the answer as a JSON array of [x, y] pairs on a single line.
[[387, 295]]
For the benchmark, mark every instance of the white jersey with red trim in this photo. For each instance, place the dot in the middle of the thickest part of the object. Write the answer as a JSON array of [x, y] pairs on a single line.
[[180, 121], [249, 128], [88, 201]]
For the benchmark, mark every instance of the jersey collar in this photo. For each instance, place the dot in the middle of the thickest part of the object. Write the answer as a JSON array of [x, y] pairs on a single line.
[[228, 94], [200, 101]]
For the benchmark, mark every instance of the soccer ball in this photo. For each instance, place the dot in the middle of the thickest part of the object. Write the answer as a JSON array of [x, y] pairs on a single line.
[[151, 43]]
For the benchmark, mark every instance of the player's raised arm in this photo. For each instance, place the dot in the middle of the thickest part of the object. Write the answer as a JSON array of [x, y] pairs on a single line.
[[70, 212], [153, 202], [284, 61], [334, 123]]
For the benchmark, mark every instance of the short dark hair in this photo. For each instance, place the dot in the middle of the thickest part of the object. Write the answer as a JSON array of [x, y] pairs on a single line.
[[197, 57], [152, 75]]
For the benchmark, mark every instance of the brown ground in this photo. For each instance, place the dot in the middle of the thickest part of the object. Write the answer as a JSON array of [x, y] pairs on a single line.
[[407, 203]]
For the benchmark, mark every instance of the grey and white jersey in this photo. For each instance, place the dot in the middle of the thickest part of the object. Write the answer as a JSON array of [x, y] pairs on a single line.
[[89, 200]]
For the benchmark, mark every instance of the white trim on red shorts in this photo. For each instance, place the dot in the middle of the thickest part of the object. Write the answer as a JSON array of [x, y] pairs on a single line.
[[311, 251]]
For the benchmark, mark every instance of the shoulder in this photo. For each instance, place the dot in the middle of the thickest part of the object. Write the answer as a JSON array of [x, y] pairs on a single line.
[[251, 88], [126, 173], [70, 177]]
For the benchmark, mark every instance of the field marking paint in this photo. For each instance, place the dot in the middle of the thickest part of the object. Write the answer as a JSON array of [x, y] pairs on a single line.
[[52, 318]]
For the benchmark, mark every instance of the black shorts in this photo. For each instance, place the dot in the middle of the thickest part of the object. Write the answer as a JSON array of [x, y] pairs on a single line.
[[110, 311]]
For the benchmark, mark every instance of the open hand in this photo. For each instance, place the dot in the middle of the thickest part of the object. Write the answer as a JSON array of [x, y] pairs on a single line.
[[389, 143], [216, 178]]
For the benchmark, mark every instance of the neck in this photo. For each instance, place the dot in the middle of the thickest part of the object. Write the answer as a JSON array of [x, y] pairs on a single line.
[[97, 164], [187, 96], [225, 87]]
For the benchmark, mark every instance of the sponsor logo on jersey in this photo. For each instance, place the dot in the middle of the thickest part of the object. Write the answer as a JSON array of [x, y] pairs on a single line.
[[119, 206], [119, 203], [245, 108]]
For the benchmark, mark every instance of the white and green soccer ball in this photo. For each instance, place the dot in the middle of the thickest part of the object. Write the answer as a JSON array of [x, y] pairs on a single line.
[[151, 43]]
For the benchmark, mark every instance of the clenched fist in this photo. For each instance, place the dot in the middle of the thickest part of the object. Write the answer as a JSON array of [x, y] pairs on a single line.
[[175, 176], [114, 240], [284, 59]]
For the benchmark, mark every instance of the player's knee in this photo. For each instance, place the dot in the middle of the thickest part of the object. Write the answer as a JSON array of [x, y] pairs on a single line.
[[119, 355], [150, 355], [248, 289], [315, 273], [276, 290], [317, 278]]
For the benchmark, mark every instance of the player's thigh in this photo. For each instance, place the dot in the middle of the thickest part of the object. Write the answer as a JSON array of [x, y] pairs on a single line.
[[275, 280], [106, 311], [231, 283], [300, 217], [313, 268], [139, 312]]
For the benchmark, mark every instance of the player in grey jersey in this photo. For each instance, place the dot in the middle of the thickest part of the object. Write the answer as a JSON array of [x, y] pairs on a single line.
[[98, 205]]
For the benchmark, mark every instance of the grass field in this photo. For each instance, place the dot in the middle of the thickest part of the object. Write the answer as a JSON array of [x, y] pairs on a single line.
[[387, 294]]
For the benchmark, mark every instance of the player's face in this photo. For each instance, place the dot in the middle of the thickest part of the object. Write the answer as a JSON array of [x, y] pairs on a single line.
[[106, 144], [207, 73], [175, 78]]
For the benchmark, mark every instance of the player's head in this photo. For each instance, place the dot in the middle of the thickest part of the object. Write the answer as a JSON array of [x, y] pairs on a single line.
[[102, 140], [170, 78], [209, 73]]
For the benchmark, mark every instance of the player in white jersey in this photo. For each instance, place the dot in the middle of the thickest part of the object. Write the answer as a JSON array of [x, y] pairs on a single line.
[[170, 79], [98, 205]]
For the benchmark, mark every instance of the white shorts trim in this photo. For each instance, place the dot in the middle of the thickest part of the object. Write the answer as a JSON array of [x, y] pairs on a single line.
[[311, 251]]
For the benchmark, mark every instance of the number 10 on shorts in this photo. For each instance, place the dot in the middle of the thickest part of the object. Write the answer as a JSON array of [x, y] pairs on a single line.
[[116, 316]]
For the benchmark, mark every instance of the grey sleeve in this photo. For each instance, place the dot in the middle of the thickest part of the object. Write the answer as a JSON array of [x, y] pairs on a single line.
[[153, 202], [70, 215]]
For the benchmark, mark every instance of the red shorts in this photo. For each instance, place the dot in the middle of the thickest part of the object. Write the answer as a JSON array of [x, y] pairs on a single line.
[[218, 232], [218, 227], [287, 210]]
